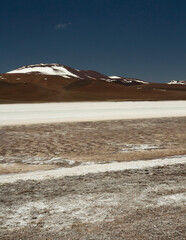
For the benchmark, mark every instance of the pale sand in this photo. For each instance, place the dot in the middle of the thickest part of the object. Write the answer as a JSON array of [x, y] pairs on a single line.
[[20, 167]]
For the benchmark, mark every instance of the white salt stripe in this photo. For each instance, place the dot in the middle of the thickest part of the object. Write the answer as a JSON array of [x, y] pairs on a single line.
[[88, 169], [11, 114]]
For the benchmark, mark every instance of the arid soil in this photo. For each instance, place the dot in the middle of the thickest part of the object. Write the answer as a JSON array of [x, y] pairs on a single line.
[[131, 204], [105, 141]]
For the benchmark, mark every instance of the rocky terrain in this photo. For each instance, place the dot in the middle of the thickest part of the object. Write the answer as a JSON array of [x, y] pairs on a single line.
[[132, 204]]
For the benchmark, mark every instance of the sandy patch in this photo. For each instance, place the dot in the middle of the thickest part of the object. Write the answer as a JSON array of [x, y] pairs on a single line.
[[19, 167]]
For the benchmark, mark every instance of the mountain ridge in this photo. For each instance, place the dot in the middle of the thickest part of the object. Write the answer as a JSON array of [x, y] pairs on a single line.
[[67, 72], [60, 83]]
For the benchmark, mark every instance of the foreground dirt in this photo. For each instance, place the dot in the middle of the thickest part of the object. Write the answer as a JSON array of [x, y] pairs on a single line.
[[70, 144], [132, 204]]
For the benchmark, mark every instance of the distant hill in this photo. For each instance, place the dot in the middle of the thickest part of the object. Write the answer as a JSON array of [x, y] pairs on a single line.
[[59, 83]]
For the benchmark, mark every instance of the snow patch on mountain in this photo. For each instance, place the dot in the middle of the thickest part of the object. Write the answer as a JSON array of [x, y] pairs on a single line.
[[177, 82], [125, 80], [114, 77], [47, 69]]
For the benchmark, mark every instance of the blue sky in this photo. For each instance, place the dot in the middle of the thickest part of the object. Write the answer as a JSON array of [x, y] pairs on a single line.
[[133, 38]]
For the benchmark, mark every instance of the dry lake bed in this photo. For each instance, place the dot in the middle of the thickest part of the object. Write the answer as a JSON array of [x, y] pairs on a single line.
[[120, 178]]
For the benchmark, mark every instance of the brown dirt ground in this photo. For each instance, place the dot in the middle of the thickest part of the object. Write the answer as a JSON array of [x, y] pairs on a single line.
[[51, 145]]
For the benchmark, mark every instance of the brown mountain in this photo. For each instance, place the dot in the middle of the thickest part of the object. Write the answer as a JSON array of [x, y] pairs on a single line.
[[57, 83]]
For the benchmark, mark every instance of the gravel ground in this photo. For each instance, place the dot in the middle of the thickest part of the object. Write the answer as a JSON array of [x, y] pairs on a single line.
[[131, 204], [63, 143]]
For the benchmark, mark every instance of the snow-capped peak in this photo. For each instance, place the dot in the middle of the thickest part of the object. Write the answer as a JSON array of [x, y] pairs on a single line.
[[48, 69], [68, 72]]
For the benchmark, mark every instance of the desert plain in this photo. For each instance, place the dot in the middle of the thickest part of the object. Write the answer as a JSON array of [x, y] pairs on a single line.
[[143, 202]]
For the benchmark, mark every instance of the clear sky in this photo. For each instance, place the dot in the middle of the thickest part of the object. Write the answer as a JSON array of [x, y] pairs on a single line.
[[133, 38]]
